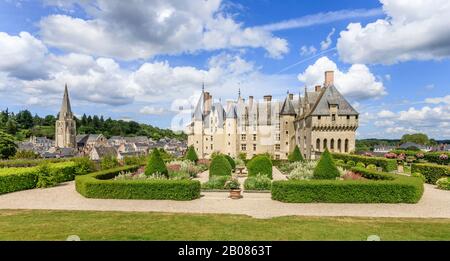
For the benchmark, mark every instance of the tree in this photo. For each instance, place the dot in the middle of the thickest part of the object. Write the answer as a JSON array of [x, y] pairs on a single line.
[[296, 155], [418, 138], [11, 126], [326, 169], [8, 147], [191, 154], [260, 164], [49, 120], [156, 165], [24, 119]]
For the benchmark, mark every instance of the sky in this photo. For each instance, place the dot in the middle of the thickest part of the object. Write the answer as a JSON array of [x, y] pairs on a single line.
[[147, 60]]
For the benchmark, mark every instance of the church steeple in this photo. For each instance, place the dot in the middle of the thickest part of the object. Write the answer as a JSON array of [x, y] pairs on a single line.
[[65, 111]]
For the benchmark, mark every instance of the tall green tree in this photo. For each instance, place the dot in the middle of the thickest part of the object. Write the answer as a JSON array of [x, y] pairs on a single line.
[[419, 138], [8, 146], [25, 119]]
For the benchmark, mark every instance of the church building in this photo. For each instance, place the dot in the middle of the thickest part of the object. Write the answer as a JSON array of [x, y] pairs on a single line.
[[65, 129]]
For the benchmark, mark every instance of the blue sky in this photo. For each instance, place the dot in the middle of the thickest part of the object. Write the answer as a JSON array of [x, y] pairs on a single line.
[[146, 60]]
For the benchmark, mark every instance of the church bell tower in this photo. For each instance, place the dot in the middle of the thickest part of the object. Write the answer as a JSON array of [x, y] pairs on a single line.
[[65, 136]]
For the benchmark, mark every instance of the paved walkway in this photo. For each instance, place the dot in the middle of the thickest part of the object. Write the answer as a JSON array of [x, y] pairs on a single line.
[[435, 203]]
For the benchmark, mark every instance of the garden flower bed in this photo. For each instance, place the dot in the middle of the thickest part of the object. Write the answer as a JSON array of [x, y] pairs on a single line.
[[376, 187]]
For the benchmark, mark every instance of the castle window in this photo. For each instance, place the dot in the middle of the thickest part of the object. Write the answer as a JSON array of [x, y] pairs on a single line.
[[243, 137], [318, 144], [211, 138], [277, 157], [277, 136], [356, 117], [332, 144], [287, 143], [229, 144], [254, 147], [339, 145], [286, 123], [348, 117], [277, 147], [287, 132], [211, 147], [243, 147], [325, 145], [318, 117], [254, 137], [333, 117], [346, 145]]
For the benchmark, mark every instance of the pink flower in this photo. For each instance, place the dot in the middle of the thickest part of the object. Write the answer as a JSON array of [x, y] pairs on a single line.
[[443, 157]]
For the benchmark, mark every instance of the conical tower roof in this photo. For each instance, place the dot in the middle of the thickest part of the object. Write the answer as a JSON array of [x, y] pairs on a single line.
[[66, 110]]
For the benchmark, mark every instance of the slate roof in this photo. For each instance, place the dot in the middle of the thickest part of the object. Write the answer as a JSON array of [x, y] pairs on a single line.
[[331, 96], [66, 110], [287, 108], [232, 114], [198, 112], [105, 151]]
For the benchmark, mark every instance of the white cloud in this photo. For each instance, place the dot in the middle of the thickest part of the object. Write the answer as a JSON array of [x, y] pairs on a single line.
[[400, 130], [149, 28], [384, 123], [437, 100], [321, 18], [358, 82], [307, 51], [412, 30], [325, 44], [22, 56], [386, 114], [149, 110]]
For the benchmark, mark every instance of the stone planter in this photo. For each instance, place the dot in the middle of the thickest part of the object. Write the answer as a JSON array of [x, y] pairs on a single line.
[[235, 194], [400, 168]]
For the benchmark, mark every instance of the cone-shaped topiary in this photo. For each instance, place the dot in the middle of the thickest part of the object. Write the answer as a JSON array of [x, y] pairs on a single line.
[[231, 161], [326, 169], [296, 155], [156, 165], [191, 154], [260, 164], [219, 166]]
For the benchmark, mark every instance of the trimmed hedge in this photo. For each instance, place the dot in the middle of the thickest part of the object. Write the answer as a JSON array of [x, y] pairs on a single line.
[[231, 161], [443, 183], [432, 172], [260, 164], [16, 179], [432, 157], [219, 166], [156, 165], [191, 154], [387, 165], [100, 185], [387, 188], [258, 183], [296, 155], [19, 163]]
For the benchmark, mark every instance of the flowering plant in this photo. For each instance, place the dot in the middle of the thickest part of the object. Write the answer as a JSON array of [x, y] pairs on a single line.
[[443, 157], [420, 155], [367, 154], [401, 157], [232, 184], [390, 155]]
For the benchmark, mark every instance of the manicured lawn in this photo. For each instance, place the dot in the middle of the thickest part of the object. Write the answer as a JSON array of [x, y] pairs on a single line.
[[90, 225]]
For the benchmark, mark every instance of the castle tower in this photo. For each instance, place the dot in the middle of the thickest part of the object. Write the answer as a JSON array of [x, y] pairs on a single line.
[[65, 125]]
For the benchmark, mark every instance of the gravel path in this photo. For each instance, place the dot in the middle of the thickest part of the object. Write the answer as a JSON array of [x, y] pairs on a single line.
[[434, 204]]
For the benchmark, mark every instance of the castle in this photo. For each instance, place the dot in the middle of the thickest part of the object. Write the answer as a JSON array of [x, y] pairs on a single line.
[[320, 119]]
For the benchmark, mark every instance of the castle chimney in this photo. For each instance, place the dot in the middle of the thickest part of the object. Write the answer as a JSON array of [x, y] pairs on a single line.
[[329, 78], [207, 102], [317, 88], [291, 96], [250, 101], [267, 98]]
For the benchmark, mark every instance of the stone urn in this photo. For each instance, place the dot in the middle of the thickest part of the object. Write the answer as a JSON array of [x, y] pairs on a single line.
[[235, 193]]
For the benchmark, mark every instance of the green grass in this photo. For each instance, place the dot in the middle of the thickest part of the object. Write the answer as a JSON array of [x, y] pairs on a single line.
[[95, 225]]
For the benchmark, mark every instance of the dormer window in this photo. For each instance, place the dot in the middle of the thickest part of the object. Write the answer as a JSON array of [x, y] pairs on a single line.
[[333, 117]]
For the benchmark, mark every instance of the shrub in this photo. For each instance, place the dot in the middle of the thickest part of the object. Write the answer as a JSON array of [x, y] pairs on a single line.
[[386, 164], [325, 168], [109, 162], [351, 163], [184, 166], [16, 179], [45, 178], [134, 160], [239, 162], [258, 183], [215, 182], [360, 165], [26, 154], [101, 185], [371, 167], [191, 154], [156, 164], [28, 162], [232, 183], [302, 170], [432, 172], [8, 146], [339, 162], [296, 155], [389, 188], [419, 175], [83, 165], [231, 161], [260, 164], [443, 183], [219, 167]]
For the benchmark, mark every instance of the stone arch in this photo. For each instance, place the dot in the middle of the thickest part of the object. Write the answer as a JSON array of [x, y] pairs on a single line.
[[332, 145], [325, 144], [318, 144], [339, 147], [346, 145]]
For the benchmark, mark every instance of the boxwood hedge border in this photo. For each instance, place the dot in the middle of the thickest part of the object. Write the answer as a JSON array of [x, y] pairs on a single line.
[[387, 165], [432, 172], [381, 188], [100, 185]]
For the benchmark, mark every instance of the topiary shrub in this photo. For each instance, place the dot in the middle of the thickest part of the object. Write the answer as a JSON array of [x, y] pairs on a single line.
[[231, 161], [443, 183], [260, 164], [371, 167], [219, 166], [156, 165], [351, 163], [360, 165], [296, 155], [326, 169], [191, 154]]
